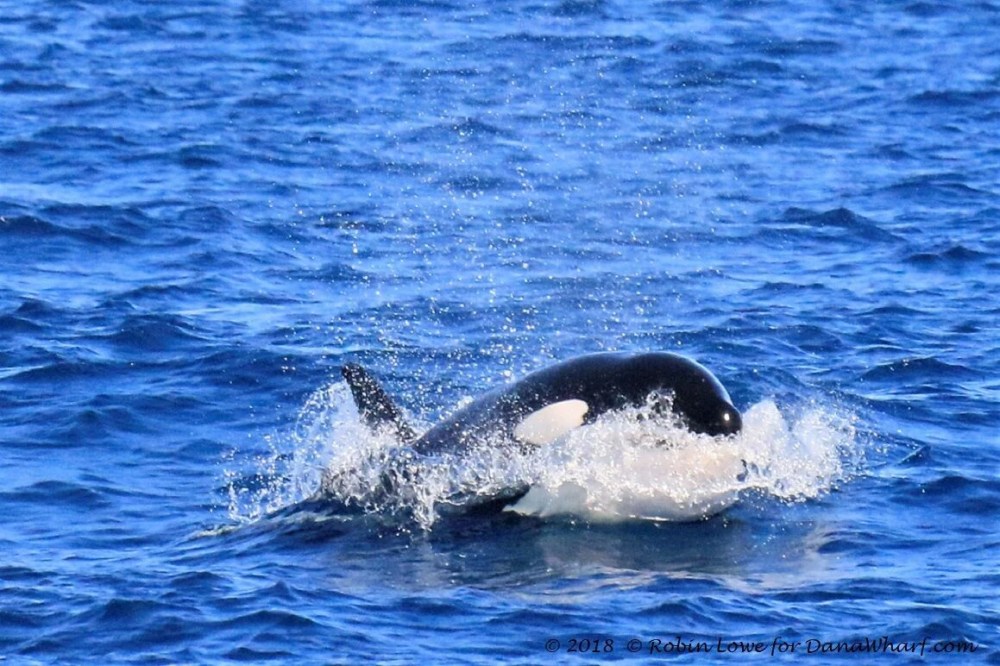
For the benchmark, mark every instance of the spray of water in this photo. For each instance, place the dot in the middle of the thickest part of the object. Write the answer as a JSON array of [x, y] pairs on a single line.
[[626, 465], [328, 431]]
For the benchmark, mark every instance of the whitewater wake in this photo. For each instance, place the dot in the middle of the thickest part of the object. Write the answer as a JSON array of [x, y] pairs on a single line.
[[626, 465]]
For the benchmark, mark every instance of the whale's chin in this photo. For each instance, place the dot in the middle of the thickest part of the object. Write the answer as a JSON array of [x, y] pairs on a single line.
[[571, 499], [584, 477]]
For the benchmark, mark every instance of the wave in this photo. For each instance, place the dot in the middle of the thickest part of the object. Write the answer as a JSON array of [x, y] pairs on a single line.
[[914, 369], [662, 472], [843, 219], [953, 256], [97, 225]]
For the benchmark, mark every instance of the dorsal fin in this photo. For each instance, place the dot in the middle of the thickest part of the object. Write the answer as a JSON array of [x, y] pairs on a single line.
[[374, 405]]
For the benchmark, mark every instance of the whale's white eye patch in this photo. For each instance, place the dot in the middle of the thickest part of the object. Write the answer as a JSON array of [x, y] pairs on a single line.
[[551, 422]]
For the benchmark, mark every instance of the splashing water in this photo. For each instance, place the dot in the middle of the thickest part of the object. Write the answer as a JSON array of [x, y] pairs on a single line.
[[630, 466], [626, 465], [328, 429], [802, 457]]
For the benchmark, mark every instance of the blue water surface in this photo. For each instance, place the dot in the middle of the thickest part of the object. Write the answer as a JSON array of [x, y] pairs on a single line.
[[207, 207]]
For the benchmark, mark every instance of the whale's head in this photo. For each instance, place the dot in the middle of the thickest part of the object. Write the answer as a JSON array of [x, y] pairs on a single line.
[[694, 394], [710, 417]]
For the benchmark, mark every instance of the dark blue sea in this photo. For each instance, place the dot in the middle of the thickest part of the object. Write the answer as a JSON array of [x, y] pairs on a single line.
[[207, 208]]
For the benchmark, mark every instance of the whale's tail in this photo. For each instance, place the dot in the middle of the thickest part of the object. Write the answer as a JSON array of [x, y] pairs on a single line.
[[375, 406]]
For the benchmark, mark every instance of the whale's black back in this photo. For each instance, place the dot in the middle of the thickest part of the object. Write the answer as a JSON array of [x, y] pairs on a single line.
[[606, 382]]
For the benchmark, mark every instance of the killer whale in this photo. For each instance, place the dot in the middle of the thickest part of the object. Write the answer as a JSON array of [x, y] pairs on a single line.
[[549, 403], [548, 410]]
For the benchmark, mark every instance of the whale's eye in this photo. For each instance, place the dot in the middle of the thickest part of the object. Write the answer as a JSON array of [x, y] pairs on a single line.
[[729, 422]]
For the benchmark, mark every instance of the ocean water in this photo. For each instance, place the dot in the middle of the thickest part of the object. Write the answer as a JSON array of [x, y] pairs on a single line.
[[206, 208]]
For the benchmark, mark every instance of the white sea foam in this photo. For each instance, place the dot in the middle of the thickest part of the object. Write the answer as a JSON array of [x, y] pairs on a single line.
[[328, 433], [626, 465]]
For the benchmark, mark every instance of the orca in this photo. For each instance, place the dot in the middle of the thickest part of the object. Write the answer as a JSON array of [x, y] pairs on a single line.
[[538, 416], [550, 403]]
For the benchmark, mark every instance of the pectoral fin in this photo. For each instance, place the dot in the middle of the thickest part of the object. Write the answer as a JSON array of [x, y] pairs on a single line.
[[546, 425]]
